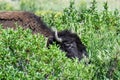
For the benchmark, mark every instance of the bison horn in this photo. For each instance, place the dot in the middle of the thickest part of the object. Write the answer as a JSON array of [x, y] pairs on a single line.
[[56, 35]]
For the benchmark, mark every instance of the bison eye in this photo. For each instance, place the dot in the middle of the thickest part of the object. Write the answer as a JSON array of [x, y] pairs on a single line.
[[68, 44]]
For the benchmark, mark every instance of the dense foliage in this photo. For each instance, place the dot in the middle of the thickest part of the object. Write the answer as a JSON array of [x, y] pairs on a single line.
[[25, 56]]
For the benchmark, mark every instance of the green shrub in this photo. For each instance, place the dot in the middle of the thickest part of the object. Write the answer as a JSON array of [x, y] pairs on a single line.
[[100, 31], [5, 6], [26, 5], [25, 56]]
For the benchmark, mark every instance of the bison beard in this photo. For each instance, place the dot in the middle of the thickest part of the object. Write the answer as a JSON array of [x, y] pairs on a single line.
[[68, 41]]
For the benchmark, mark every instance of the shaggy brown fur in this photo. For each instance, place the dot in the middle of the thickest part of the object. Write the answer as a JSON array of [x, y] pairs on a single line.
[[26, 20]]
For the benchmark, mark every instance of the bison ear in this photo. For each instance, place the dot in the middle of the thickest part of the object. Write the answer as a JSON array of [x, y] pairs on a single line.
[[50, 41]]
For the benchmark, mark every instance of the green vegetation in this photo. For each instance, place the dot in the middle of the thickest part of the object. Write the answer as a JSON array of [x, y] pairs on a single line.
[[25, 56], [5, 6]]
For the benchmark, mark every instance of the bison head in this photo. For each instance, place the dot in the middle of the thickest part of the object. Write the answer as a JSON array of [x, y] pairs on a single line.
[[68, 42]]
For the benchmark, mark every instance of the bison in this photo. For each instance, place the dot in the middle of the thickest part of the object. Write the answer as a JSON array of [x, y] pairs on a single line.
[[69, 42]]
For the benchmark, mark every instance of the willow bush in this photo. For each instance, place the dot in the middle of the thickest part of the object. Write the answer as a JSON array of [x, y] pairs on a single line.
[[25, 56]]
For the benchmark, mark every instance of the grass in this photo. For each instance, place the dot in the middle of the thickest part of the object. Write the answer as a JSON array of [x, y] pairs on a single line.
[[59, 5]]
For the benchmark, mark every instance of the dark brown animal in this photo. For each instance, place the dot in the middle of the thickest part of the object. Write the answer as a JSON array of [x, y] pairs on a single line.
[[26, 20], [68, 41]]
